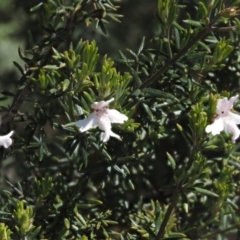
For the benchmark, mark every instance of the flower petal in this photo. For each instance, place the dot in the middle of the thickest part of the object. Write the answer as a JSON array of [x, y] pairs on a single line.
[[234, 117], [232, 128], [5, 140], [224, 105], [101, 104], [232, 100], [115, 116], [216, 127], [106, 135], [90, 122]]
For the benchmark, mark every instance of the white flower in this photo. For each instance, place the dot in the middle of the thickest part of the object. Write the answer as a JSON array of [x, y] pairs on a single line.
[[102, 117], [226, 120], [5, 140]]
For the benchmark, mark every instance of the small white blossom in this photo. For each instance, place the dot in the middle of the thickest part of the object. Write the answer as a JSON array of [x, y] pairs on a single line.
[[102, 117], [5, 140], [226, 120]]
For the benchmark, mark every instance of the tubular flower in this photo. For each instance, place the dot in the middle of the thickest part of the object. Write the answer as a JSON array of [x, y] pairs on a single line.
[[5, 140], [102, 117], [226, 120]]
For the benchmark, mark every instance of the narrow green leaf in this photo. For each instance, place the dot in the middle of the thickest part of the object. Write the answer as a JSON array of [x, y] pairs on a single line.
[[131, 184], [6, 93], [206, 192], [51, 67], [141, 46], [93, 201], [19, 67], [34, 233], [192, 23], [204, 46], [22, 55], [36, 8], [105, 154], [158, 217], [148, 111], [175, 235], [65, 84], [157, 93], [172, 161], [176, 37], [234, 163], [101, 25], [136, 78], [85, 156]]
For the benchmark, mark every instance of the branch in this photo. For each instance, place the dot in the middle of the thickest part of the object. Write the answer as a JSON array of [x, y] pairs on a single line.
[[180, 186], [168, 214], [23, 93], [181, 53], [17, 102]]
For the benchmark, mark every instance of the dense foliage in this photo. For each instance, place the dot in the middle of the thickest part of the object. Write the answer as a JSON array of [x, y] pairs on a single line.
[[167, 178]]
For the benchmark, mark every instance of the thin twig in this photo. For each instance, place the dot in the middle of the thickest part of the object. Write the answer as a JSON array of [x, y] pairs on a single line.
[[14, 188], [17, 102], [168, 214], [211, 235]]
